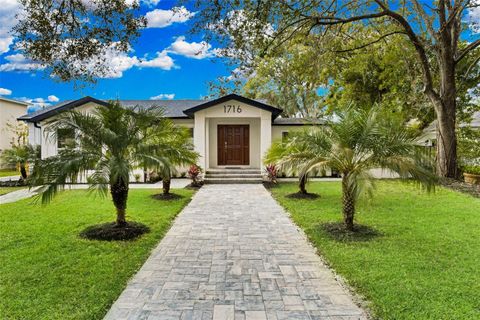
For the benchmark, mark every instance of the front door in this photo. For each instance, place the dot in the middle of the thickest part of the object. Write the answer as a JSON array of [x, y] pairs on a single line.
[[233, 145]]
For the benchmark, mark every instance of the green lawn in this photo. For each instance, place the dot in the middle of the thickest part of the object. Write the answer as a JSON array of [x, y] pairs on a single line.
[[426, 263], [5, 190], [48, 272], [8, 172]]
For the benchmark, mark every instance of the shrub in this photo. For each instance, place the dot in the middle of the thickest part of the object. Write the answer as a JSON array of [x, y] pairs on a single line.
[[272, 172], [471, 169], [194, 173], [137, 177]]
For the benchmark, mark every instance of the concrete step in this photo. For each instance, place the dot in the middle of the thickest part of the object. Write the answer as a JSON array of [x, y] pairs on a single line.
[[232, 180], [233, 175], [233, 171]]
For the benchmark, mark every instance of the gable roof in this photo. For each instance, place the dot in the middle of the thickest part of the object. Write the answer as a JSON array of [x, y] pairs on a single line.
[[172, 108], [50, 111], [275, 111]]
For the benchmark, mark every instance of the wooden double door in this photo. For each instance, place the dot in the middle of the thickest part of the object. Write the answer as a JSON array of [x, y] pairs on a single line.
[[233, 145]]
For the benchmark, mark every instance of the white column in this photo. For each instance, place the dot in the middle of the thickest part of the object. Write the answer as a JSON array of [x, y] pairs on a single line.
[[199, 138], [265, 134]]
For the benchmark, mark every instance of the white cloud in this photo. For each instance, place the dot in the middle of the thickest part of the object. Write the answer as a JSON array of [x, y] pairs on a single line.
[[162, 61], [35, 103], [8, 10], [18, 62], [196, 50], [162, 96], [5, 92], [160, 18], [53, 98], [473, 17]]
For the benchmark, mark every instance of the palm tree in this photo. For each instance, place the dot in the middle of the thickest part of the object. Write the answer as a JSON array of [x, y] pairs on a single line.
[[279, 152], [111, 142], [20, 156], [358, 142]]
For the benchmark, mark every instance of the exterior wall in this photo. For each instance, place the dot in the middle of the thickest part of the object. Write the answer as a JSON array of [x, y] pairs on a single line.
[[9, 112], [34, 134], [205, 130], [277, 131], [48, 141]]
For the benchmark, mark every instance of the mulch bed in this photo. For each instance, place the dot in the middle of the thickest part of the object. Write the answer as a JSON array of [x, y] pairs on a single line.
[[194, 186], [300, 195], [112, 232], [167, 197], [337, 231], [269, 185], [461, 186]]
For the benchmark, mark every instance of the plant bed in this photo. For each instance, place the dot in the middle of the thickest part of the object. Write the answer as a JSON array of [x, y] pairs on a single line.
[[302, 195], [461, 186], [112, 232], [167, 197], [194, 186], [269, 185], [337, 231]]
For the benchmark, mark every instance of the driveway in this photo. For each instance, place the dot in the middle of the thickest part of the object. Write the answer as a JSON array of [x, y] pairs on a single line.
[[233, 253]]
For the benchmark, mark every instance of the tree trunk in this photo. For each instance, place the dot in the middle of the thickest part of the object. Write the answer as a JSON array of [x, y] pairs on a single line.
[[302, 183], [166, 185], [445, 109], [119, 192], [121, 220], [348, 204], [23, 171]]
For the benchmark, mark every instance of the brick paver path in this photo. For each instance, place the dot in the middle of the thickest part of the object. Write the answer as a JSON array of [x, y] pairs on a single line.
[[233, 253]]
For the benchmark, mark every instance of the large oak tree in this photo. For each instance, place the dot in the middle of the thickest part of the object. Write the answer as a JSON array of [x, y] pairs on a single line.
[[433, 29]]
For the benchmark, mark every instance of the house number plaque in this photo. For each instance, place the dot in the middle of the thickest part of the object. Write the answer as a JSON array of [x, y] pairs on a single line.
[[230, 108]]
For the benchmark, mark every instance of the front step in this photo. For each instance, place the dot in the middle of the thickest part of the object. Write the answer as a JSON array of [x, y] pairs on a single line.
[[233, 176]]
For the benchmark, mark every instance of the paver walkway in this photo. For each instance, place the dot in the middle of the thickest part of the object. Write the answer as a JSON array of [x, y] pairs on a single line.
[[233, 253]]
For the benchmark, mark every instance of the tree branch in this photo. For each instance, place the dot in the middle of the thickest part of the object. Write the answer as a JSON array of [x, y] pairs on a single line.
[[467, 49], [370, 43], [418, 47]]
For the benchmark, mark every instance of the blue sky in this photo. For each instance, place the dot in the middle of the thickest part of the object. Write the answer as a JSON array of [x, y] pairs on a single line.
[[162, 63]]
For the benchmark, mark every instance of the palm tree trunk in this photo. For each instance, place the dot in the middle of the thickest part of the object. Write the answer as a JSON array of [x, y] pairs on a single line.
[[23, 171], [119, 192], [166, 185], [302, 183], [348, 204]]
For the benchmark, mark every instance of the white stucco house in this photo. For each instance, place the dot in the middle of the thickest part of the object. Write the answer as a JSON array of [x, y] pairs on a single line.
[[10, 110], [231, 132]]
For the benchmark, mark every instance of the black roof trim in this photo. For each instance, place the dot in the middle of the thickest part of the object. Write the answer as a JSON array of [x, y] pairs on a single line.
[[65, 107], [275, 111]]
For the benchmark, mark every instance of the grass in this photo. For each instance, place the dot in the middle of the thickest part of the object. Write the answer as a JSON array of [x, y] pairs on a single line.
[[5, 190], [423, 264], [48, 272], [8, 172]]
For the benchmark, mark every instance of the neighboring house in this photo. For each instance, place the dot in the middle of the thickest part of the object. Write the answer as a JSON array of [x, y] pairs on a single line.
[[10, 110], [429, 136], [231, 131]]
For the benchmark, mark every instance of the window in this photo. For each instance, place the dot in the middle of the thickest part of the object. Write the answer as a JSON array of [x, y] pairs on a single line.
[[65, 137], [285, 136]]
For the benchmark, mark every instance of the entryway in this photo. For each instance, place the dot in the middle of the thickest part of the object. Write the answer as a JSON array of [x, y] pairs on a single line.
[[233, 145]]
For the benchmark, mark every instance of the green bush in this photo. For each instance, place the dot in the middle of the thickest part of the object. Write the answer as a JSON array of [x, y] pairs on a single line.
[[471, 169]]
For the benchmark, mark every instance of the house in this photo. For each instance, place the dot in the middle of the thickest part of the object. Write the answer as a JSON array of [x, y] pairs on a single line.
[[10, 110], [429, 136], [231, 132]]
